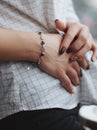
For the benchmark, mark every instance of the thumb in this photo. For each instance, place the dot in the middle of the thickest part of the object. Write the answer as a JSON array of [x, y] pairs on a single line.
[[60, 25]]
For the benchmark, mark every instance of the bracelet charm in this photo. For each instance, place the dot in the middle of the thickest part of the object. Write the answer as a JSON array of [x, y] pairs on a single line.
[[42, 48]]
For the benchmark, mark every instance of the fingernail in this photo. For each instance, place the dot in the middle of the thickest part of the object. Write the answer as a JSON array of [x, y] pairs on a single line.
[[62, 50], [69, 50], [72, 91], [94, 59], [56, 20], [88, 67]]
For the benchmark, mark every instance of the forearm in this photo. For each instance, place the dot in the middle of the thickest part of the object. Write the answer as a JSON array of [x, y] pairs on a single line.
[[17, 45]]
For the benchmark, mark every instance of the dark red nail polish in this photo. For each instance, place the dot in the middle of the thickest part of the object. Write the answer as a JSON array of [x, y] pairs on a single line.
[[62, 50]]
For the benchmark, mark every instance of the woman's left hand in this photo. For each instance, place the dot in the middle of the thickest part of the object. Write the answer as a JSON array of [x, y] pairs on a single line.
[[77, 38]]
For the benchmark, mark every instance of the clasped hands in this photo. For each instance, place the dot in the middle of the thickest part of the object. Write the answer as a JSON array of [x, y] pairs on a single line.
[[64, 61]]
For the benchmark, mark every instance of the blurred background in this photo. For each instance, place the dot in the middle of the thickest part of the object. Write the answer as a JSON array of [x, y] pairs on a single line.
[[87, 12]]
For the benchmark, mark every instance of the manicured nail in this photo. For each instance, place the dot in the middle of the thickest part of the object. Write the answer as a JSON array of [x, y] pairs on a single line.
[[69, 51], [94, 59], [62, 50], [72, 91], [56, 20]]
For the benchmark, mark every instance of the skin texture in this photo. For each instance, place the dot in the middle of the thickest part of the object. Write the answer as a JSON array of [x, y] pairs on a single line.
[[57, 65], [78, 39], [25, 46]]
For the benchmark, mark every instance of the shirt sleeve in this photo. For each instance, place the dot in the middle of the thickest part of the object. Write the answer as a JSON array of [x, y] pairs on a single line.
[[70, 12]]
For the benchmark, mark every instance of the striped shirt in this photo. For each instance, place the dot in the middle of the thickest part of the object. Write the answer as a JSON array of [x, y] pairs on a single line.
[[23, 86]]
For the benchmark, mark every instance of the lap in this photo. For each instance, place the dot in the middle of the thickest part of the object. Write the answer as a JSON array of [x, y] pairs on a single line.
[[48, 119]]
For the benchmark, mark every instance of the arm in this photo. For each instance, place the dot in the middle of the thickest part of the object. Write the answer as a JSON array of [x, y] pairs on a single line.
[[18, 46]]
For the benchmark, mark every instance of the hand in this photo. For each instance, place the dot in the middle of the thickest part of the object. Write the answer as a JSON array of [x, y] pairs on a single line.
[[59, 66], [77, 39]]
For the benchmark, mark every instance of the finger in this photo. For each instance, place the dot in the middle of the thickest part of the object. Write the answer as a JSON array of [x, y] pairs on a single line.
[[83, 63], [66, 82], [84, 38], [77, 68], [71, 33], [86, 46], [76, 45], [94, 55], [60, 25], [80, 54], [72, 74]]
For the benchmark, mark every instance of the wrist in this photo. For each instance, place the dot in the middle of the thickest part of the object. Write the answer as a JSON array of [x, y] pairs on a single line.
[[32, 47], [52, 44]]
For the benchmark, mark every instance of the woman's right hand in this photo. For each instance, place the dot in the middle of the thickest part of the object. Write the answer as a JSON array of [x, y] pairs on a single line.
[[57, 65]]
